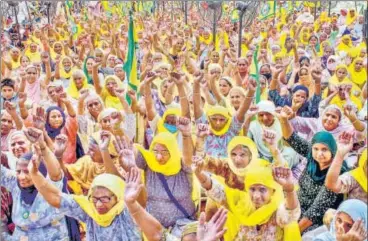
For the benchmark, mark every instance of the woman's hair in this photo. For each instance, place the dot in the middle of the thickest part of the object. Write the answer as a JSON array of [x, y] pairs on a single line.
[[8, 82]]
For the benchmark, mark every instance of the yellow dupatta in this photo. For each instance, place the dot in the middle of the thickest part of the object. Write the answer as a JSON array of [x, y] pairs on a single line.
[[84, 171], [53, 53], [161, 123], [345, 47], [243, 210], [116, 185], [72, 89], [341, 103], [219, 110], [110, 100], [243, 141], [358, 78], [358, 173], [173, 165], [63, 73], [33, 57]]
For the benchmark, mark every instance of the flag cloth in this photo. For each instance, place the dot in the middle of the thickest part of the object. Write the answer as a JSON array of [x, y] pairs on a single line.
[[267, 10], [255, 74], [130, 66]]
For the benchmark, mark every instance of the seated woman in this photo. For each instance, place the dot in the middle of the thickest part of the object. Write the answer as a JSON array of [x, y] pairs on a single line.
[[258, 212], [33, 217], [315, 199], [103, 210], [349, 223], [352, 183], [223, 126], [333, 120], [266, 120], [168, 176]]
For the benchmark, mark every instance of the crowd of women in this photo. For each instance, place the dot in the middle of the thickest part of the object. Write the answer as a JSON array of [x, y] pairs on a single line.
[[210, 146]]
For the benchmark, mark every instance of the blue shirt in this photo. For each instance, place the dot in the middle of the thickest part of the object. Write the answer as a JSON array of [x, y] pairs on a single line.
[[38, 221], [122, 227]]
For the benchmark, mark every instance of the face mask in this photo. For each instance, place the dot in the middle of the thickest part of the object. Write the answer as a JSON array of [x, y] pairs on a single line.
[[332, 66], [171, 128], [268, 76]]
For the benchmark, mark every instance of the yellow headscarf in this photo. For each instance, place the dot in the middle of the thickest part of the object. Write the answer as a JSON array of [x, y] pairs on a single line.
[[244, 141], [243, 210], [111, 101], [63, 73], [116, 185], [85, 170], [340, 103], [359, 78], [173, 165], [219, 110], [345, 47], [72, 89], [53, 53], [161, 123], [349, 19], [33, 57], [359, 173]]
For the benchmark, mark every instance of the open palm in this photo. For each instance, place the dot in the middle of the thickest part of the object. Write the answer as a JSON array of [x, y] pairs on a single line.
[[133, 185]]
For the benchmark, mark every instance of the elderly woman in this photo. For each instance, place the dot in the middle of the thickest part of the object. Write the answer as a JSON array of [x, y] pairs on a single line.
[[77, 83], [266, 120], [223, 126], [56, 123], [258, 213], [352, 183], [33, 217], [18, 145], [300, 101], [65, 71], [110, 210], [10, 121], [349, 223], [32, 85], [332, 120], [314, 197], [168, 177]]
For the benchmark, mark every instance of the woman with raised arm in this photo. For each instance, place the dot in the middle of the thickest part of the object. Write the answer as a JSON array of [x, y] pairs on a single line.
[[315, 198]]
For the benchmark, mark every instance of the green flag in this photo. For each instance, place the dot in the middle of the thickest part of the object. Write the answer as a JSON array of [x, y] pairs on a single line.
[[130, 66]]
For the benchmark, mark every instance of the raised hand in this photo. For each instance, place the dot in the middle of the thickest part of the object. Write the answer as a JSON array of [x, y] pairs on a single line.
[[269, 138], [295, 106], [317, 74], [198, 76], [33, 135], [84, 93], [177, 78], [119, 92], [60, 145], [252, 85], [63, 97], [39, 120], [133, 186], [358, 232], [125, 150], [277, 70], [10, 108], [345, 143], [284, 177], [184, 125], [105, 140], [252, 111], [150, 77], [286, 113], [197, 164], [34, 164], [350, 112], [214, 229], [203, 130], [22, 98], [132, 95]]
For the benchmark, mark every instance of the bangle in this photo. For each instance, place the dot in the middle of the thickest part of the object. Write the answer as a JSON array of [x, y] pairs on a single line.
[[136, 212], [182, 97], [249, 97], [354, 121], [285, 191]]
